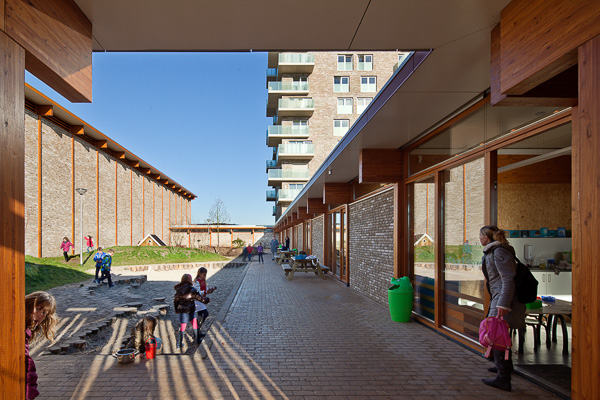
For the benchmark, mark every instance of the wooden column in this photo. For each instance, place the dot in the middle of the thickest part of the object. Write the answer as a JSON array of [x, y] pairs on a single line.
[[97, 198], [439, 248], [586, 226], [116, 208], [73, 195], [143, 207], [169, 194], [12, 215], [131, 207], [39, 188], [491, 188], [162, 214], [153, 208]]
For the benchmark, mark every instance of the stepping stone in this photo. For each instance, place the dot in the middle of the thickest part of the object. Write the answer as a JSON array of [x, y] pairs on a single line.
[[55, 349], [125, 311], [79, 344], [159, 299], [135, 285], [163, 309], [134, 304], [65, 347]]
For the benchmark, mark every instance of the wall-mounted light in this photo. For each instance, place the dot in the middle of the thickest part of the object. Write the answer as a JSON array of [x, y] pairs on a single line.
[[329, 172]]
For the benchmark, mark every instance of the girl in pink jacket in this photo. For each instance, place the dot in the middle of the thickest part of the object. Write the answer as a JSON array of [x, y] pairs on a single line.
[[65, 246]]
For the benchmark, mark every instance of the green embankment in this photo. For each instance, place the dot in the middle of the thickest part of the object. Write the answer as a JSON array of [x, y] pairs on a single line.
[[49, 272]]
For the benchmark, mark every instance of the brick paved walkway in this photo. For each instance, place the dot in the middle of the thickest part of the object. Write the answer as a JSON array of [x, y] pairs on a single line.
[[306, 338]]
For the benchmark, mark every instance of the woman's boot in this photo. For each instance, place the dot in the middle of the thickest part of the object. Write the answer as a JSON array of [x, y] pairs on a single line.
[[504, 367], [198, 336]]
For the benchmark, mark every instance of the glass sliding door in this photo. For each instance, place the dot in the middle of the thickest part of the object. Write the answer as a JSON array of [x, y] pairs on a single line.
[[463, 217], [338, 242], [423, 228]]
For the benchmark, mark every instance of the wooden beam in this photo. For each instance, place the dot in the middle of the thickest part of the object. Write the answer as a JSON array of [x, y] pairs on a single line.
[[315, 206], [120, 155], [132, 163], [379, 166], [57, 38], [101, 144], [539, 39], [45, 110], [303, 213], [77, 130], [337, 193], [586, 226], [560, 91], [12, 215], [146, 171]]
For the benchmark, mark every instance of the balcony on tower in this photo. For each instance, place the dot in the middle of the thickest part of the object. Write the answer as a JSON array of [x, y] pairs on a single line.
[[295, 151], [271, 195], [275, 133], [292, 63], [294, 107], [277, 176], [284, 88], [287, 195]]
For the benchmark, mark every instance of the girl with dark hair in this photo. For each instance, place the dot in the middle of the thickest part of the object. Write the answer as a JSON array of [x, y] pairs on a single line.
[[499, 268], [40, 318], [185, 296]]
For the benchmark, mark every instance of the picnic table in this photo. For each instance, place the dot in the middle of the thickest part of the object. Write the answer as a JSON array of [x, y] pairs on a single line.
[[305, 265], [285, 256]]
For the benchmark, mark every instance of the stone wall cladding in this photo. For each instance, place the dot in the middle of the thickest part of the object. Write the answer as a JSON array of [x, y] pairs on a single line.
[[300, 237], [106, 183], [123, 196], [31, 183], [317, 238], [56, 188], [371, 245], [85, 177], [57, 209], [201, 238]]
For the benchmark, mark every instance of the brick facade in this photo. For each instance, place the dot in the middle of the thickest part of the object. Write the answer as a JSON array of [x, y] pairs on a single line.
[[317, 238], [134, 210], [371, 245]]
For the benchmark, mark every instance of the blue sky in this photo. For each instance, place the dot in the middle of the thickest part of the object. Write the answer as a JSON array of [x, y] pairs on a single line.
[[197, 117]]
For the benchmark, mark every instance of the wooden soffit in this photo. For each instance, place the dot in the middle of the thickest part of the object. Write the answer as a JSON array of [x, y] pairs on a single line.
[[536, 45], [337, 193], [57, 38], [380, 166], [558, 91], [315, 206]]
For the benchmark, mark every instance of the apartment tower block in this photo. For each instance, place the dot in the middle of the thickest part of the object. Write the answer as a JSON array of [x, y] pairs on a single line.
[[314, 98]]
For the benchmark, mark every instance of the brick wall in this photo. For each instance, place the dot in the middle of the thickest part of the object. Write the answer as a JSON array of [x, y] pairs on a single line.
[[371, 245], [317, 238], [56, 201]]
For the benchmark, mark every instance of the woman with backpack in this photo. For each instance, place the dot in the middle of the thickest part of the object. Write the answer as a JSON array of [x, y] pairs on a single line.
[[499, 268]]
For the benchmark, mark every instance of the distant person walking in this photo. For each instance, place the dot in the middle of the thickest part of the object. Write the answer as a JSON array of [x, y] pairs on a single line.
[[274, 245], [260, 251], [287, 242], [89, 242], [244, 254], [65, 246], [250, 249]]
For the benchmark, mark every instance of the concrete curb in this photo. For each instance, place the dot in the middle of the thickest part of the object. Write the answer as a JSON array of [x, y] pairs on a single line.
[[207, 342]]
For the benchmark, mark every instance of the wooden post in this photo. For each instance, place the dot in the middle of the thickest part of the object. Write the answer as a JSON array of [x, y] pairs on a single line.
[[131, 207], [12, 215], [143, 207], [116, 207], [439, 248], [153, 208], [73, 195], [586, 225], [97, 198], [39, 188]]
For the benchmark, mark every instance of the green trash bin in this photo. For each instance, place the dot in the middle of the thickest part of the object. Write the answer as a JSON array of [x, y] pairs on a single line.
[[400, 297]]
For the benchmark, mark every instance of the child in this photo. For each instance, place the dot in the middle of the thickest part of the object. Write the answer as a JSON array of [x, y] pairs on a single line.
[[98, 259], [250, 249], [40, 318], [140, 334], [260, 250], [89, 243], [65, 246], [201, 310], [106, 264], [300, 256], [184, 306], [244, 254]]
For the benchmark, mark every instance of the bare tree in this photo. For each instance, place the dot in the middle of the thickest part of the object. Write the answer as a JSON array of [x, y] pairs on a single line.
[[218, 216]]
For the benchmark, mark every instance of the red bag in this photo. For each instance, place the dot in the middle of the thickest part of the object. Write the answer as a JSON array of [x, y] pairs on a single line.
[[493, 334]]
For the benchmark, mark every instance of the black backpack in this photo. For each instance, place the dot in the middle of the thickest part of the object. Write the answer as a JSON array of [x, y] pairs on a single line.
[[525, 283]]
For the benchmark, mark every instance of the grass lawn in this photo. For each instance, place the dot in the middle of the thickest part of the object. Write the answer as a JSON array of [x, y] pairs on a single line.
[[49, 272]]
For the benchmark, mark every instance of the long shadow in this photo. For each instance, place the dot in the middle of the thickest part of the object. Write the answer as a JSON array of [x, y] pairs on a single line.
[[43, 277]]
